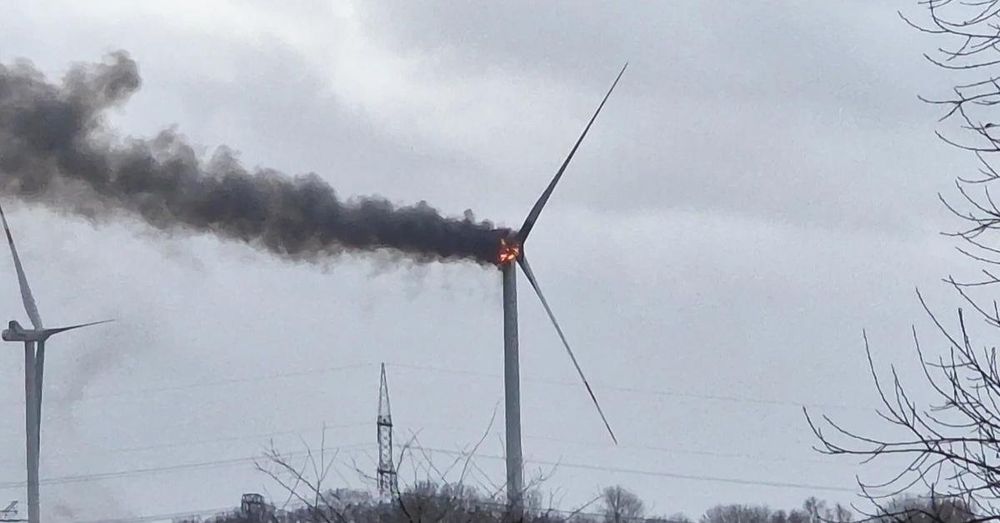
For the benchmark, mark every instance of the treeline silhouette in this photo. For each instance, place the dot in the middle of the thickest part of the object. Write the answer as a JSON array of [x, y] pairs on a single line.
[[444, 503]]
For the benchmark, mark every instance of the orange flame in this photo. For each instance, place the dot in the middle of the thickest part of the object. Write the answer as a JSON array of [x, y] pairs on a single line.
[[508, 253]]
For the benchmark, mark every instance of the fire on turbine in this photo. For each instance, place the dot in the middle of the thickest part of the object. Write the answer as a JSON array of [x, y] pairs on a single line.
[[508, 252]]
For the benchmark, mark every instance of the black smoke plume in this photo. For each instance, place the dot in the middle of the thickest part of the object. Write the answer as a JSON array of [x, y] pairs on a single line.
[[56, 149]]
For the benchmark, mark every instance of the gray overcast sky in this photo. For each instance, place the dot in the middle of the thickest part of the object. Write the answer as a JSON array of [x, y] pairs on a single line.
[[761, 187]]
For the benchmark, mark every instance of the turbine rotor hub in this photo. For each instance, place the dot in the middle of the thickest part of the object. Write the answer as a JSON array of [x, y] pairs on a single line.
[[508, 251]]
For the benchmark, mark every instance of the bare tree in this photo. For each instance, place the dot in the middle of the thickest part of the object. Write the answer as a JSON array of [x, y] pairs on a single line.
[[970, 32], [951, 445], [303, 480], [442, 490], [621, 506]]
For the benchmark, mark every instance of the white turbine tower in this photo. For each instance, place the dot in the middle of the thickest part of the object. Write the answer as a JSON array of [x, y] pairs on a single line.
[[34, 362]]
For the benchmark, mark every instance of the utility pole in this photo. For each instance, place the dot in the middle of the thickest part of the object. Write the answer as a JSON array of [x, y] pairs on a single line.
[[512, 393], [387, 486]]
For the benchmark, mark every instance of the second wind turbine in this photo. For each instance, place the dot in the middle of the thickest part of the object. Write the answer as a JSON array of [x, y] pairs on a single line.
[[34, 365]]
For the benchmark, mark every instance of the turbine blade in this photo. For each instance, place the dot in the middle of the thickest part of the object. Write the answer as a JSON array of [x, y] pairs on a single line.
[[40, 371], [541, 297], [529, 222], [50, 332], [22, 280]]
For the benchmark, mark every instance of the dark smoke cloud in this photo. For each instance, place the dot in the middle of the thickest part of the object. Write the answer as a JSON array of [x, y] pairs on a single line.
[[55, 149]]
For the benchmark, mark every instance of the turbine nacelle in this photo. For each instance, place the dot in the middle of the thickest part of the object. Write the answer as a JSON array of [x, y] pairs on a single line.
[[15, 332], [509, 250]]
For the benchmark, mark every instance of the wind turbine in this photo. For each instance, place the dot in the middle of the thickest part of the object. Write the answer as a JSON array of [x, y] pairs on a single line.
[[34, 363], [511, 250]]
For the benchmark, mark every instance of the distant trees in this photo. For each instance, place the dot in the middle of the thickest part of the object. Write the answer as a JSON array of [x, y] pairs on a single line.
[[737, 514], [951, 444], [427, 502], [676, 518], [912, 509], [813, 511]]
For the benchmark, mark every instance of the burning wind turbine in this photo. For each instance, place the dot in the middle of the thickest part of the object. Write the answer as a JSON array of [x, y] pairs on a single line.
[[510, 250], [56, 150], [34, 365]]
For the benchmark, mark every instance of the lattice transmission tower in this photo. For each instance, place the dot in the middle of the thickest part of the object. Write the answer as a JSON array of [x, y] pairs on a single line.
[[387, 486]]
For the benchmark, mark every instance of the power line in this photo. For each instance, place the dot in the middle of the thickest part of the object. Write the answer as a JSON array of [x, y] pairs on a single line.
[[207, 383], [637, 390], [171, 516], [140, 393], [714, 454], [311, 429], [231, 462], [192, 443], [672, 475], [651, 448], [582, 466], [463, 372], [439, 427], [622, 470], [223, 382], [99, 476]]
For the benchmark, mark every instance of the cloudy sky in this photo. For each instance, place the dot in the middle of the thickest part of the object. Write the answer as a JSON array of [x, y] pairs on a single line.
[[762, 185]]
